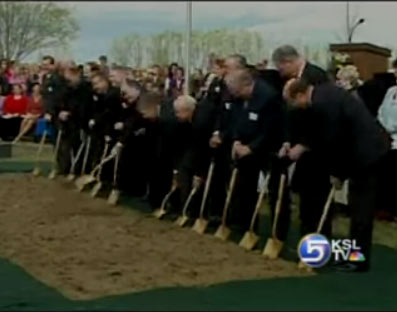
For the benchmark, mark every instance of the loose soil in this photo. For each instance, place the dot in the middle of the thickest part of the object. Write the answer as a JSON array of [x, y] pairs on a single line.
[[87, 249]]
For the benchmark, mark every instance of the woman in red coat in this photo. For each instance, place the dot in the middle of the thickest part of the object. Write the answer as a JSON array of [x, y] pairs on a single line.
[[33, 112], [15, 104], [14, 108]]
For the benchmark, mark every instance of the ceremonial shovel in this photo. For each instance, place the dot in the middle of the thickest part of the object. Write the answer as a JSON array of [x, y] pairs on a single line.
[[331, 196], [181, 221], [200, 225], [98, 186], [274, 245], [115, 193], [53, 172], [36, 171], [223, 231], [250, 239], [84, 180], [159, 213], [72, 174], [86, 154]]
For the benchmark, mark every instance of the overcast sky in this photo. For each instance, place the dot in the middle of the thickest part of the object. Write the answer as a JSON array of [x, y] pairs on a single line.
[[312, 22]]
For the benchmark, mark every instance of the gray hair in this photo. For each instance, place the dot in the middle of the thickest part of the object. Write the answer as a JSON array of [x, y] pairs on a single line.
[[284, 53], [186, 101]]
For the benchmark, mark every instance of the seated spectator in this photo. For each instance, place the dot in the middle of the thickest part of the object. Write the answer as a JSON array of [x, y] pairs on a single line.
[[33, 112], [2, 98], [348, 78], [14, 108], [16, 103]]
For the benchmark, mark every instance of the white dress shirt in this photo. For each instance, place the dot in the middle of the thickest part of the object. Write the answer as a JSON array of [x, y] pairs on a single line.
[[387, 114]]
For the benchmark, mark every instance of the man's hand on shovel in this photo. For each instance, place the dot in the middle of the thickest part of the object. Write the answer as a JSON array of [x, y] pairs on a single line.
[[336, 182], [240, 150], [284, 150], [117, 148], [197, 181], [215, 140], [297, 151]]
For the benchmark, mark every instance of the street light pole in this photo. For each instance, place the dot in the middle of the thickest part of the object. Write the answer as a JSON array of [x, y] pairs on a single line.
[[188, 46], [348, 20], [359, 22]]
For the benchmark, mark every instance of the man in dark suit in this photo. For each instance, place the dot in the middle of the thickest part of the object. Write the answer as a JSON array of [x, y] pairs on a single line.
[[309, 180], [221, 139], [192, 155], [349, 143], [72, 112], [256, 134], [105, 101], [53, 87]]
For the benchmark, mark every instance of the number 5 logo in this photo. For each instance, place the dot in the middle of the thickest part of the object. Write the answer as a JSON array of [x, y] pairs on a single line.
[[314, 250]]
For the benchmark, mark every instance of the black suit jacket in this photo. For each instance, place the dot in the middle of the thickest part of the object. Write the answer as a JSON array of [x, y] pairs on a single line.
[[193, 151], [297, 119], [343, 132], [53, 91], [78, 102], [258, 121]]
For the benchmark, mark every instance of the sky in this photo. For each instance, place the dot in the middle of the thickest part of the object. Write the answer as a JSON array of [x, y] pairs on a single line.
[[279, 22]]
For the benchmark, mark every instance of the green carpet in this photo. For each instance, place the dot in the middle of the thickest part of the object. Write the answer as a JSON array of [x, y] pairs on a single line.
[[375, 290]]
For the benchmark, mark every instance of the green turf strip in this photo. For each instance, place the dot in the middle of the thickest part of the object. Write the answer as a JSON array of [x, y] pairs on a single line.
[[375, 290]]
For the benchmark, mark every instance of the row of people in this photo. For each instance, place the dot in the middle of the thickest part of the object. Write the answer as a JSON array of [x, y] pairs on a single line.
[[250, 120]]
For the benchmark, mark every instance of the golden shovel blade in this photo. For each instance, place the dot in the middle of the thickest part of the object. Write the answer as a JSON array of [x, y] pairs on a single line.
[[95, 190], [303, 266], [83, 181], [249, 240], [200, 225], [71, 177], [52, 175], [159, 213], [181, 221], [223, 232], [114, 197], [273, 248], [36, 171]]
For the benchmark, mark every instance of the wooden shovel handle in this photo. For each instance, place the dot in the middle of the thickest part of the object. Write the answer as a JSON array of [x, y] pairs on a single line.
[[76, 159], [189, 199], [86, 154], [278, 204], [229, 195], [57, 144], [40, 149], [326, 209], [207, 188], [259, 202]]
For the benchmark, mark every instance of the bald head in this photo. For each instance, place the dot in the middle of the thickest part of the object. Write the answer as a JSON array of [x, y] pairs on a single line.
[[184, 107], [240, 83]]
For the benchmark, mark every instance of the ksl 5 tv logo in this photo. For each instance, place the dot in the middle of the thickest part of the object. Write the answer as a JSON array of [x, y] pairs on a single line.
[[316, 250]]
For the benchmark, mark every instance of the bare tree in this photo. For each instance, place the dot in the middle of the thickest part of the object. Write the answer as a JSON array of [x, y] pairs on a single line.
[[26, 27], [128, 50]]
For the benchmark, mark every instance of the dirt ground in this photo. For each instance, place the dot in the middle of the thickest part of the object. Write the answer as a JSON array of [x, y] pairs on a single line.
[[87, 249]]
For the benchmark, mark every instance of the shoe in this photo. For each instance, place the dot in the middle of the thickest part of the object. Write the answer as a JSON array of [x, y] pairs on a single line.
[[349, 267]]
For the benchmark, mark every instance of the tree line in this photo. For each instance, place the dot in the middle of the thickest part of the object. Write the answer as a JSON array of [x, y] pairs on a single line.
[[138, 50]]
